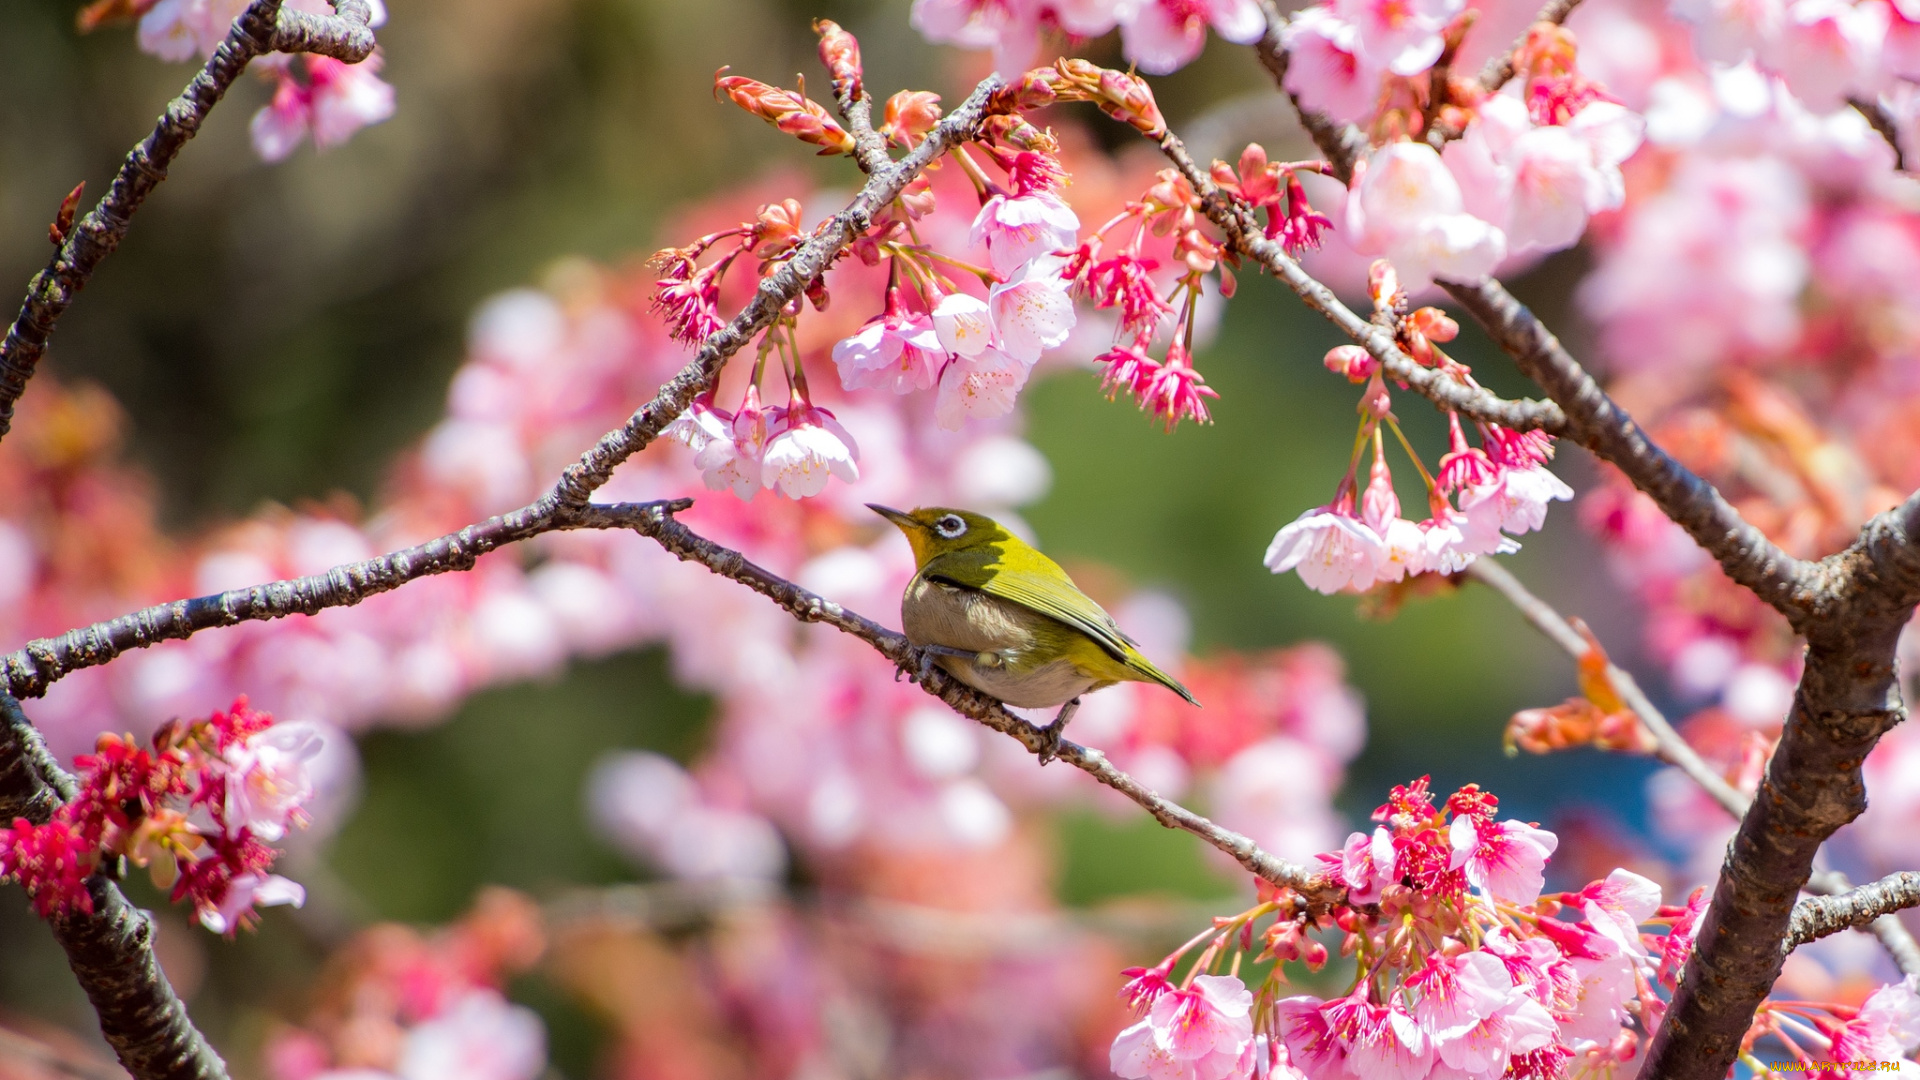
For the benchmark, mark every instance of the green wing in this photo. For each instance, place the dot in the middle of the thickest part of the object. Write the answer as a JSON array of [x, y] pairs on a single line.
[[1047, 589]]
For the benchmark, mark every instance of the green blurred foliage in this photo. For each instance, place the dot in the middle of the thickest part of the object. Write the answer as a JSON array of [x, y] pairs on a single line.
[[280, 333]]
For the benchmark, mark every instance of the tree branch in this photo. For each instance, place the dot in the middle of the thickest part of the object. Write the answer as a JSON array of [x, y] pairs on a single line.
[[38, 664], [261, 28], [655, 520], [1596, 422], [110, 950]]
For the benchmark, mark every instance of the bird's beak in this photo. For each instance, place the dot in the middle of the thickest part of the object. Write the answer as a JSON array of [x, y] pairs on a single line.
[[898, 517]]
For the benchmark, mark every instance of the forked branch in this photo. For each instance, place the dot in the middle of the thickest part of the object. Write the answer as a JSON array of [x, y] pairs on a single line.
[[261, 28]]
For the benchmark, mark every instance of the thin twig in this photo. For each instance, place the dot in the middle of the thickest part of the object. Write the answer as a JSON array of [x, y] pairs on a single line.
[[111, 948], [1672, 748], [1821, 916], [30, 670], [261, 28], [1884, 123], [1245, 236], [656, 520], [1499, 68]]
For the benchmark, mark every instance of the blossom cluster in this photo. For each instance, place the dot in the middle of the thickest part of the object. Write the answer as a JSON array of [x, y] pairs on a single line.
[[1462, 967], [399, 1005], [313, 96], [197, 808], [1475, 496]]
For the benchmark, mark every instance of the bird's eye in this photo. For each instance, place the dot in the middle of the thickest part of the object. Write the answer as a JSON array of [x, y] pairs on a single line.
[[950, 527]]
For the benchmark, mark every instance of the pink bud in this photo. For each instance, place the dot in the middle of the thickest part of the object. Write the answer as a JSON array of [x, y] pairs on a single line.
[[840, 52], [1356, 363]]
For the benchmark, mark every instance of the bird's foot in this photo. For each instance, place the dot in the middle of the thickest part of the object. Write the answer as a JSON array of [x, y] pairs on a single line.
[[926, 656], [1050, 748]]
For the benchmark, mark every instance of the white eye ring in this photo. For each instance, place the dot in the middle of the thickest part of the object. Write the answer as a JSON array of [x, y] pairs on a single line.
[[950, 527]]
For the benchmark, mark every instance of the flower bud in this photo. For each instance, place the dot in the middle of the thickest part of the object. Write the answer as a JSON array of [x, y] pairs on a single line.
[[793, 113], [840, 52], [1383, 285], [1433, 324], [1356, 363], [910, 115]]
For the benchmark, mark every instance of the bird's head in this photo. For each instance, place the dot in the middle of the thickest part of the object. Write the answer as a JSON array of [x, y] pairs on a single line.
[[938, 530]]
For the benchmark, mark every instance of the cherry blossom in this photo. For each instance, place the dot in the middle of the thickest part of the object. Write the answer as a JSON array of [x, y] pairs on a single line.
[[1195, 1033], [805, 445], [1327, 70], [1885, 1027], [1407, 206], [981, 386], [1163, 36], [1403, 38], [1032, 310], [268, 779], [246, 892], [1019, 228], [1506, 858], [1330, 548]]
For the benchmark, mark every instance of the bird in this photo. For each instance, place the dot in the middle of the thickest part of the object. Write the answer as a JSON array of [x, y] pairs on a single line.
[[993, 612]]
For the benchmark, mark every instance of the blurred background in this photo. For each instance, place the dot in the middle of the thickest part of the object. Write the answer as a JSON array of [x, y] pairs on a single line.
[[276, 334]]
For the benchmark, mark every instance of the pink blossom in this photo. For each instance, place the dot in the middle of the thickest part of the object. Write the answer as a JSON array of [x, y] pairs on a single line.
[[1330, 549], [268, 781], [1011, 28], [1124, 281], [1163, 36], [1325, 70], [1389, 1044], [1407, 206], [898, 351], [1475, 1014], [1401, 36], [1617, 906], [1540, 184], [337, 100], [346, 98], [1176, 392], [1506, 858], [963, 326], [1606, 986], [735, 461], [1018, 228], [980, 387], [1829, 49], [1515, 501], [1885, 1027], [700, 424], [1677, 947], [246, 892], [1308, 1034], [1199, 1033], [480, 1036], [51, 862], [1032, 309], [805, 444], [1366, 865]]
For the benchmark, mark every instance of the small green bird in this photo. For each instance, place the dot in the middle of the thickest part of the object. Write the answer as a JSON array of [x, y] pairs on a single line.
[[1006, 620]]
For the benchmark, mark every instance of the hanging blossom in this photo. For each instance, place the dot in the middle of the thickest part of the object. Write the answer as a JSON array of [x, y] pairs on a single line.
[[970, 325], [1476, 497], [195, 808], [334, 101], [1113, 269], [329, 100]]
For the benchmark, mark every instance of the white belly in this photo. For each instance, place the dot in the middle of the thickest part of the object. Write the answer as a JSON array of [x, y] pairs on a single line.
[[938, 614]]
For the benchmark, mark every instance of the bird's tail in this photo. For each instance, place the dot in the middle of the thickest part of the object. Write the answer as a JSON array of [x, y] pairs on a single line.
[[1150, 673]]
